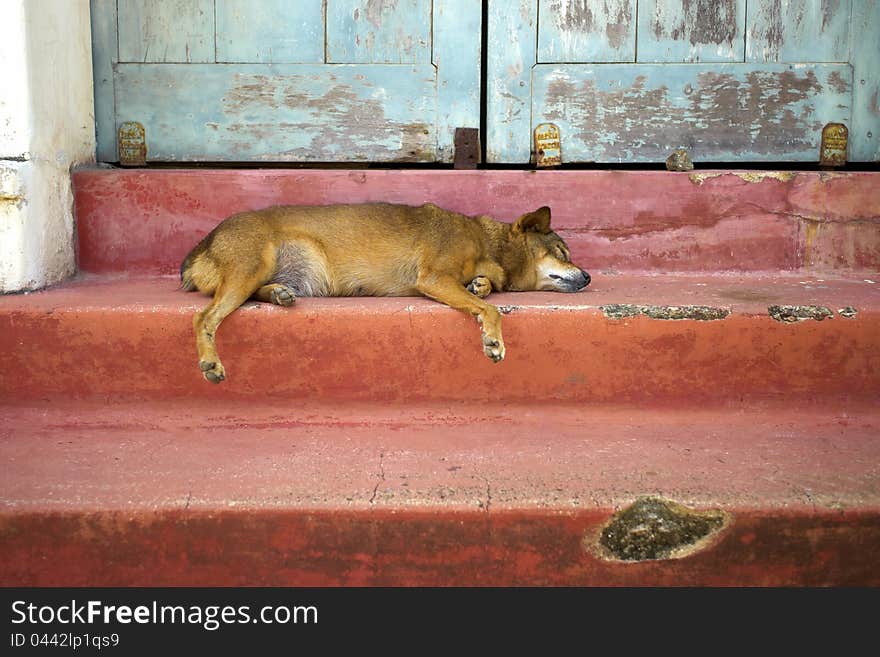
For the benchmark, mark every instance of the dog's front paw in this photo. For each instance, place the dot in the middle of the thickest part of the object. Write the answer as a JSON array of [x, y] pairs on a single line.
[[212, 371], [283, 296], [493, 348], [480, 286]]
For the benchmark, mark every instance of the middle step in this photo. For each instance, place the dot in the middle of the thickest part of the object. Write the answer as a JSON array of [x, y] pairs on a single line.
[[627, 339]]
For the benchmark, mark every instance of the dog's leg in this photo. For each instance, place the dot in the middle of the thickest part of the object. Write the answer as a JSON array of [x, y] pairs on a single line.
[[229, 296], [480, 286], [276, 293], [446, 289]]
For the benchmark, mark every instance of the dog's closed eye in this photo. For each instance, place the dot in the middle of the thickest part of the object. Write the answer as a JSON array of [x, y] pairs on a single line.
[[561, 253]]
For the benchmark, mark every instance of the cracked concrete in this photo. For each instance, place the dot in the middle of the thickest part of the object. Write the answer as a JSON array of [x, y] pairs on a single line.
[[488, 503], [381, 478]]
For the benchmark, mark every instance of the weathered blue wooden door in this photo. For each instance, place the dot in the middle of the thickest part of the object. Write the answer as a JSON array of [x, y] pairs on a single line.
[[285, 80], [730, 80]]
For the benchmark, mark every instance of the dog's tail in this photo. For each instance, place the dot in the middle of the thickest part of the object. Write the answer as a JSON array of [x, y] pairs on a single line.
[[188, 280]]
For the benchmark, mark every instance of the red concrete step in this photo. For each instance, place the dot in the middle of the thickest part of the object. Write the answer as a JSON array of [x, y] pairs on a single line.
[[124, 338], [196, 493], [145, 221]]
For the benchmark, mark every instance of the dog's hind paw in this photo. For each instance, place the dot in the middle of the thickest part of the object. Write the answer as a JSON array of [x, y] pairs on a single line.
[[493, 348], [212, 372], [480, 286]]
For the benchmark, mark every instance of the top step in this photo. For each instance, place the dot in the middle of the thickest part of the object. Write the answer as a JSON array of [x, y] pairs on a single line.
[[144, 221]]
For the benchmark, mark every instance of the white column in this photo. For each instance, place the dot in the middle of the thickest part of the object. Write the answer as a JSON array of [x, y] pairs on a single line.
[[47, 126]]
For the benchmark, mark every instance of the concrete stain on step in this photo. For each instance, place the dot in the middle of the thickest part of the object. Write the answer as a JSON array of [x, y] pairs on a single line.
[[747, 176], [653, 528], [699, 313], [799, 313]]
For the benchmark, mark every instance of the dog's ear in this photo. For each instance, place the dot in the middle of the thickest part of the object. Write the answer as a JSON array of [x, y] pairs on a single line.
[[536, 222]]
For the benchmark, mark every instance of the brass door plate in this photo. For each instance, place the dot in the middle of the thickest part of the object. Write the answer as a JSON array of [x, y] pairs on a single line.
[[834, 143], [548, 145], [132, 144]]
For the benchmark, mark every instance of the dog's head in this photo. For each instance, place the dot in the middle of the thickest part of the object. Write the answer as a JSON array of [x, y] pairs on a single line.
[[545, 258]]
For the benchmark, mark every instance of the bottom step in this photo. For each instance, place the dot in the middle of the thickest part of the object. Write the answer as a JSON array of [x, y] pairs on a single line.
[[183, 494]]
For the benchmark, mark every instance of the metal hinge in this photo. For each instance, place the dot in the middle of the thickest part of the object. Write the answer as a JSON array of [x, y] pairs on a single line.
[[467, 148]]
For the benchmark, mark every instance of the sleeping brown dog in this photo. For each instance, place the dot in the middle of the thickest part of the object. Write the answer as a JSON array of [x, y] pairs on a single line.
[[375, 249]]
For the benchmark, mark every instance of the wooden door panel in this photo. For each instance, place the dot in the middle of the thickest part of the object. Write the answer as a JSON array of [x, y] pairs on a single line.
[[270, 31], [799, 31], [278, 112], [266, 87], [691, 30], [719, 112], [379, 31], [585, 31], [511, 53], [105, 56], [731, 80], [864, 134], [166, 30]]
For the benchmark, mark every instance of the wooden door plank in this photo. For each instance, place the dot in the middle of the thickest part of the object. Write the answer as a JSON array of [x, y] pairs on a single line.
[[166, 31], [798, 30], [511, 54], [585, 31], [378, 31], [691, 31], [719, 112], [456, 54], [282, 112], [270, 31], [105, 53], [864, 134]]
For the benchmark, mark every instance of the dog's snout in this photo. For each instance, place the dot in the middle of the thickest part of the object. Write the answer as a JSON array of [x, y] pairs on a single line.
[[570, 279]]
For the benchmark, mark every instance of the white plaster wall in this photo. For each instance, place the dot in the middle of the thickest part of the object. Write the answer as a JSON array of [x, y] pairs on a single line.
[[46, 127]]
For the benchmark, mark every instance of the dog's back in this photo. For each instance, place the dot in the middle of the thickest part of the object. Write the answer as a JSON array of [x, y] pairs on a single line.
[[369, 249]]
